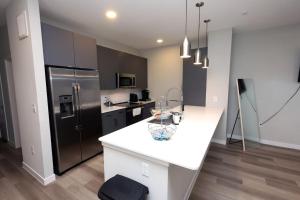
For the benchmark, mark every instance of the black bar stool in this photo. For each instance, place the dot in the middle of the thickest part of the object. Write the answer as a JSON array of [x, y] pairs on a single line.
[[122, 188]]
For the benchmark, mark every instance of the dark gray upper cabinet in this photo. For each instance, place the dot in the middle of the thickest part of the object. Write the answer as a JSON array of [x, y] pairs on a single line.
[[194, 82], [141, 71], [113, 61], [85, 51], [108, 67], [58, 46]]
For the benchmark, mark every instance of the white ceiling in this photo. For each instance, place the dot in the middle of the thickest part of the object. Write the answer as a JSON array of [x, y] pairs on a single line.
[[141, 22]]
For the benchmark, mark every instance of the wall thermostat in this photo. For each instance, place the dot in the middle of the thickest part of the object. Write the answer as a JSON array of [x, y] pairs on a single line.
[[22, 25]]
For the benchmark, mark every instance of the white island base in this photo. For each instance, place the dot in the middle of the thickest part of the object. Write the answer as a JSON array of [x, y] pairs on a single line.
[[165, 181], [168, 168]]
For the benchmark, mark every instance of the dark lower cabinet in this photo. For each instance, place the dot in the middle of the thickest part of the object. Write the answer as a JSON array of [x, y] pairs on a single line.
[[113, 121], [147, 110]]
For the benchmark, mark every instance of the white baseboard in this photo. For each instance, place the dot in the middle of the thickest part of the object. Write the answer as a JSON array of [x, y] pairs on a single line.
[[219, 141], [39, 178], [270, 142], [280, 144]]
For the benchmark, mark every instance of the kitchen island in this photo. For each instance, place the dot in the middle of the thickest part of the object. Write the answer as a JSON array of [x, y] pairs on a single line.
[[168, 168]]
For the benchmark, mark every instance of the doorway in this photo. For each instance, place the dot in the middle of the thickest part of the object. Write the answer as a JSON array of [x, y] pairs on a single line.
[[9, 124], [3, 119]]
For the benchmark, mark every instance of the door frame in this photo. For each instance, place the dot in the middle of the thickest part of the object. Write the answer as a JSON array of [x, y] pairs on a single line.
[[4, 110]]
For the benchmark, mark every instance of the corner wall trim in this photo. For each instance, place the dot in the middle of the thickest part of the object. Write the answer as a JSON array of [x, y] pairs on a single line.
[[219, 141], [39, 178]]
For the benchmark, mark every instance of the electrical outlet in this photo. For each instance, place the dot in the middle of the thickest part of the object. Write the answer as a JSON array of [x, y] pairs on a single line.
[[145, 169], [34, 109], [215, 99], [32, 150]]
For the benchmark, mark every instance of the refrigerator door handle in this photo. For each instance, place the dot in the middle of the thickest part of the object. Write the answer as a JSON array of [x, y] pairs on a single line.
[[75, 97], [78, 91]]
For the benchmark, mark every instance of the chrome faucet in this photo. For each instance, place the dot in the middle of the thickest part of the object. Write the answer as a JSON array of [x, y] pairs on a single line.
[[175, 100]]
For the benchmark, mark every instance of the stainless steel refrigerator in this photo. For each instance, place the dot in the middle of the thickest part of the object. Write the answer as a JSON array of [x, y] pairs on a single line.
[[75, 115]]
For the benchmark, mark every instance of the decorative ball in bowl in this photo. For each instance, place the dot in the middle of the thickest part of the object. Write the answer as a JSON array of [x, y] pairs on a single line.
[[161, 132]]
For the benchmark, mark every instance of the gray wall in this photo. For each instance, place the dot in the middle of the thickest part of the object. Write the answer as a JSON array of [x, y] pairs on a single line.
[[271, 58]]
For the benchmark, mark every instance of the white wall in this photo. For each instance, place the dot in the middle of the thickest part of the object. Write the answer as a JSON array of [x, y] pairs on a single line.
[[30, 85], [164, 70], [219, 52], [100, 41], [271, 58]]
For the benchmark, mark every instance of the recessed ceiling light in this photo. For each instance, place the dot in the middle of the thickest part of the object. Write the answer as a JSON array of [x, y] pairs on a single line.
[[110, 14], [159, 41]]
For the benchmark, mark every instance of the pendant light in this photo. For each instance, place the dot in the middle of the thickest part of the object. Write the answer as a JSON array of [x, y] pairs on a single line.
[[197, 59], [185, 48], [206, 60]]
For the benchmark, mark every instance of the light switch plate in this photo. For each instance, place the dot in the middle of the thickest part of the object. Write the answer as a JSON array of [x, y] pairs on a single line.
[[145, 169], [22, 25]]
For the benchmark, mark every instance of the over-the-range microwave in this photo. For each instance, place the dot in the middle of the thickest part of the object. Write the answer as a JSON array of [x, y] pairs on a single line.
[[126, 80]]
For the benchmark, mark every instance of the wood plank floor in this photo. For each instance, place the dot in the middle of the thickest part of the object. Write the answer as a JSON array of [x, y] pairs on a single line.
[[262, 172]]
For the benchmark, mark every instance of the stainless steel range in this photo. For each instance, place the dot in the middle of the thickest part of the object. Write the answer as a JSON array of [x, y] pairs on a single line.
[[134, 112]]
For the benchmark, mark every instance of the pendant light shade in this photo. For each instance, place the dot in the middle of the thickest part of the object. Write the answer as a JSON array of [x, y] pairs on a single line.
[[185, 48], [197, 58], [206, 60]]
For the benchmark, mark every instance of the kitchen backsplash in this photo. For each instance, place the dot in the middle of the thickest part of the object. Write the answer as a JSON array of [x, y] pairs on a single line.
[[119, 95]]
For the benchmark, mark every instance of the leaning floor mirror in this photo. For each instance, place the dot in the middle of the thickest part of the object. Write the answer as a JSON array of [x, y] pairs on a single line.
[[248, 115]]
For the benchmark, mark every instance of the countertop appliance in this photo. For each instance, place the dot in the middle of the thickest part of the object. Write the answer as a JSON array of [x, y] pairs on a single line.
[[126, 80], [75, 115], [133, 97], [145, 95]]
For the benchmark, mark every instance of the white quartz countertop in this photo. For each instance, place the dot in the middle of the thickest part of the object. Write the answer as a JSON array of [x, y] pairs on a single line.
[[105, 109], [186, 148]]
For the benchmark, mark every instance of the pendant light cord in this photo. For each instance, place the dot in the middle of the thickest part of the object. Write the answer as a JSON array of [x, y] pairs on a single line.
[[185, 17], [206, 35], [282, 107], [199, 29]]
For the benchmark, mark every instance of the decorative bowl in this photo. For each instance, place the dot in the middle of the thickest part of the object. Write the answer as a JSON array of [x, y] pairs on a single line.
[[161, 132]]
